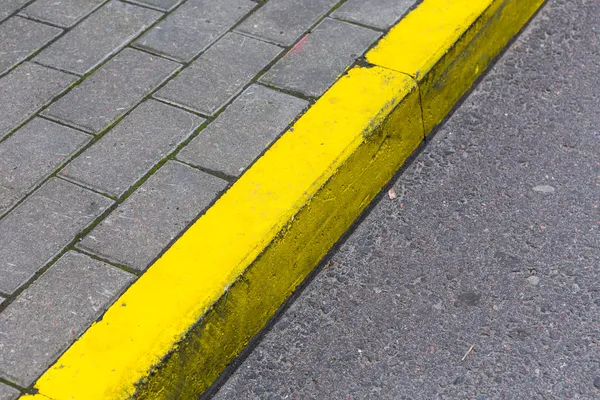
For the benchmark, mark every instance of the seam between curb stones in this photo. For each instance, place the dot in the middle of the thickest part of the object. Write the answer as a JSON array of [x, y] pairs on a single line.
[[242, 280]]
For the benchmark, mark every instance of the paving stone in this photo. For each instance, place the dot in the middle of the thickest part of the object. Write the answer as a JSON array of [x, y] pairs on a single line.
[[243, 131], [144, 225], [164, 5], [2, 300], [31, 154], [19, 38], [219, 74], [104, 33], [315, 63], [380, 14], [40, 227], [193, 27], [8, 393], [113, 90], [130, 150], [53, 312], [7, 7], [284, 21], [65, 13], [25, 90]]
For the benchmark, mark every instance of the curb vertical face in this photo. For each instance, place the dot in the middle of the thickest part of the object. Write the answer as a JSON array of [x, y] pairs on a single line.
[[233, 268]]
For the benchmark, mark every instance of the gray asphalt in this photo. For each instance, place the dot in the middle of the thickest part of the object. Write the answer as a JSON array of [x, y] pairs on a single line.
[[492, 245]]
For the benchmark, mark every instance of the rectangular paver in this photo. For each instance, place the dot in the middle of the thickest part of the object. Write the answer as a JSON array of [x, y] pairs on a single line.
[[25, 90], [51, 314], [284, 21], [65, 13], [219, 74], [40, 227], [380, 14], [193, 27], [159, 210], [112, 90], [31, 154], [8, 393], [7, 7], [20, 37], [316, 62], [101, 35], [163, 5], [243, 131], [130, 150]]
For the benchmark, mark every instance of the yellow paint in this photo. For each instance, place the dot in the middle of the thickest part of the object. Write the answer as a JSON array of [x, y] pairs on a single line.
[[447, 44], [417, 43], [150, 318], [234, 267]]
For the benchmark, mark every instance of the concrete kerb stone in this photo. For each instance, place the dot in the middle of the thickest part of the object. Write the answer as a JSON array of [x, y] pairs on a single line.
[[229, 273]]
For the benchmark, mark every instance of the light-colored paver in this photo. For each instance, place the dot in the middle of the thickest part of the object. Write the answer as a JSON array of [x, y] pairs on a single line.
[[52, 312], [163, 5], [19, 38], [380, 14], [64, 13], [243, 131], [40, 228], [316, 62], [104, 33], [112, 90], [219, 74], [284, 21], [8, 7], [140, 228], [193, 27], [8, 393], [130, 150], [29, 87], [31, 154]]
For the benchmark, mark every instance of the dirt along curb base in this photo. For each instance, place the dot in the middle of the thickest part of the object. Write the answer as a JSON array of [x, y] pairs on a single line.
[[173, 332]]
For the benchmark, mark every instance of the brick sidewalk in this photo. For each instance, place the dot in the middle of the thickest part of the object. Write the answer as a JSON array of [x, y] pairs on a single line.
[[120, 122]]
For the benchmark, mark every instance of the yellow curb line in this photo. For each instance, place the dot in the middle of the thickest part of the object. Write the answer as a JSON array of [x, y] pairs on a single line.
[[174, 330]]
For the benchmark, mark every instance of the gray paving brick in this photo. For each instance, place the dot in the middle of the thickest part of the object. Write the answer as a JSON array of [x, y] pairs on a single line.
[[164, 5], [219, 74], [25, 90], [31, 154], [112, 90], [40, 227], [8, 393], [7, 7], [284, 21], [193, 27], [19, 38], [144, 225], [318, 60], [246, 128], [65, 13], [380, 14], [101, 35], [130, 150], [53, 312]]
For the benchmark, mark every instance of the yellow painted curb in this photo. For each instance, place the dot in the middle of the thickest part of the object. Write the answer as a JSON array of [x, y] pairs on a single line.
[[446, 44], [175, 329]]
